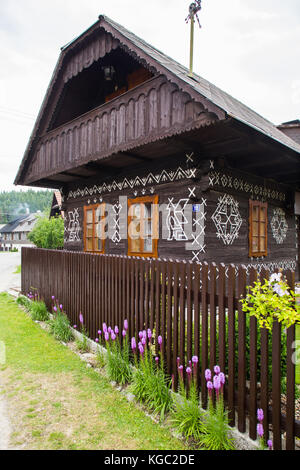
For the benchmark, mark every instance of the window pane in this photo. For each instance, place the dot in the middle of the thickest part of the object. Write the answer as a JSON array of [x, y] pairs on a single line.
[[89, 230], [255, 213], [255, 229], [262, 244], [98, 244], [148, 245], [255, 244], [89, 244], [89, 217], [135, 245]]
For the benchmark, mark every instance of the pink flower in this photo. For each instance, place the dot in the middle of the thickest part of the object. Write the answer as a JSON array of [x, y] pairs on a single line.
[[125, 325], [75, 326], [99, 332], [116, 330], [81, 318], [97, 340], [195, 359], [106, 336], [113, 336], [133, 344], [270, 444], [217, 370], [260, 430], [124, 333], [222, 378], [208, 375], [104, 327], [260, 415]]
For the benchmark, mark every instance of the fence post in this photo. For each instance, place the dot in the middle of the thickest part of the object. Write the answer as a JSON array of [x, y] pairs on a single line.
[[241, 352], [290, 378]]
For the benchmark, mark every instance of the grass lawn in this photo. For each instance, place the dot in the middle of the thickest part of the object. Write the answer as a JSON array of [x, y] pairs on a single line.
[[56, 402], [18, 270]]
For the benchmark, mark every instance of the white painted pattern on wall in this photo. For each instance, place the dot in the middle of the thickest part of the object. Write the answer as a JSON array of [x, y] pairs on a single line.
[[73, 226], [279, 225], [227, 219]]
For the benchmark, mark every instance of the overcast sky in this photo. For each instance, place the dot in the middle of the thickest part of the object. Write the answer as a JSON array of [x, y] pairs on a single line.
[[249, 48]]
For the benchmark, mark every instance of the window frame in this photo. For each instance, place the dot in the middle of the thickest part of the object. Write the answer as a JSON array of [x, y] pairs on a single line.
[[260, 205], [94, 208], [155, 228]]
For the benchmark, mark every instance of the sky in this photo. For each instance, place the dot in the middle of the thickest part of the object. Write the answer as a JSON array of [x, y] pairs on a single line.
[[248, 48]]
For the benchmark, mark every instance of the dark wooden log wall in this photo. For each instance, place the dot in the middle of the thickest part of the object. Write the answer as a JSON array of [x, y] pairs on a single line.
[[280, 255]]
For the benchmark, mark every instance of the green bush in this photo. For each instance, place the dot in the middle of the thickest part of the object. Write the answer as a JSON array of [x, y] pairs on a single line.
[[38, 311], [24, 302], [48, 233], [60, 327]]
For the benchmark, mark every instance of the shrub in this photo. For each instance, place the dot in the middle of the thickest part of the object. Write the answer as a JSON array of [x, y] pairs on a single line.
[[60, 327], [48, 233], [150, 383], [186, 413], [38, 311], [118, 360], [23, 302], [215, 430]]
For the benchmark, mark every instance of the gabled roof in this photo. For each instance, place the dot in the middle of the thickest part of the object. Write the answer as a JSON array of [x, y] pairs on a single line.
[[21, 224], [196, 86]]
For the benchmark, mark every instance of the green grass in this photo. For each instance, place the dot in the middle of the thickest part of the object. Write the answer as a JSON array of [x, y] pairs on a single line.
[[56, 402], [18, 270]]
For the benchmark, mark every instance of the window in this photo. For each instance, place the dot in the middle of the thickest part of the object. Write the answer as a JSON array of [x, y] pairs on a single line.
[[258, 226], [94, 240], [143, 226]]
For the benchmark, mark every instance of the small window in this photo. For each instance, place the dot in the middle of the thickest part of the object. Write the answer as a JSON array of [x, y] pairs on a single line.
[[143, 226], [258, 229], [94, 239]]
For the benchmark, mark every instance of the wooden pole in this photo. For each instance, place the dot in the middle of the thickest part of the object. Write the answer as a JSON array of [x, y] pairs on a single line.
[[192, 45]]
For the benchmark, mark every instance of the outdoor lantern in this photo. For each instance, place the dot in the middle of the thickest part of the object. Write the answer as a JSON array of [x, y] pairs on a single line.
[[109, 72]]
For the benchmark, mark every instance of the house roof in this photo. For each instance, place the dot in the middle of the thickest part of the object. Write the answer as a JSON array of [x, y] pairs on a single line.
[[23, 223], [176, 73]]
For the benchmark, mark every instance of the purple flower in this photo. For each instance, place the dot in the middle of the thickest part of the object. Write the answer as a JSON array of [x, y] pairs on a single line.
[[97, 340], [270, 444], [195, 359], [159, 340], [178, 361], [116, 330], [99, 332], [180, 370], [141, 349], [75, 326], [157, 359], [140, 334], [106, 336], [149, 333], [209, 387], [217, 370], [208, 375], [125, 325], [109, 329], [81, 318], [189, 373], [113, 336], [124, 333], [104, 327], [222, 378], [133, 344], [217, 382], [55, 309], [260, 430], [260, 415], [53, 297], [61, 307], [143, 341]]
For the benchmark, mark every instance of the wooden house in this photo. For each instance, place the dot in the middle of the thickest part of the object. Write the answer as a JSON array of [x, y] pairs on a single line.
[[14, 234], [124, 129]]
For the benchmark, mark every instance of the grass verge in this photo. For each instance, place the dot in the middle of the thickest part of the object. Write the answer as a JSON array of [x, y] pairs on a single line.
[[56, 402]]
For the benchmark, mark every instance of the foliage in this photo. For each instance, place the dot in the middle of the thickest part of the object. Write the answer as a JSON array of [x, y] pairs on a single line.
[[118, 361], [100, 358], [23, 301], [82, 343], [150, 383], [48, 233], [270, 301], [186, 413], [215, 430], [14, 204], [60, 325], [38, 311]]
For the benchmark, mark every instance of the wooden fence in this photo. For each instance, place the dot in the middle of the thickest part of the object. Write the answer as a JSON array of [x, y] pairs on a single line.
[[196, 309]]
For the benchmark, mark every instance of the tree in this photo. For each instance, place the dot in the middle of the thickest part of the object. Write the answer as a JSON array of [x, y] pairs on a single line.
[[48, 233]]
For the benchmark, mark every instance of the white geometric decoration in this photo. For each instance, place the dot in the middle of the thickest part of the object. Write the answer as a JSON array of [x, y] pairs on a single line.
[[73, 228], [227, 219], [116, 238], [176, 220], [279, 225]]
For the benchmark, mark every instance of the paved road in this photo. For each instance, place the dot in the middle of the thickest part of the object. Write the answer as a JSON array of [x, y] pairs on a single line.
[[8, 265]]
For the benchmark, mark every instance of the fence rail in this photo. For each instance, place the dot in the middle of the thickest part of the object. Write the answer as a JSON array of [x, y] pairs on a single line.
[[196, 308]]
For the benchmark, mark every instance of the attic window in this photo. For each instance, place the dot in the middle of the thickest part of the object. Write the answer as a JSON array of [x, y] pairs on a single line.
[[103, 81]]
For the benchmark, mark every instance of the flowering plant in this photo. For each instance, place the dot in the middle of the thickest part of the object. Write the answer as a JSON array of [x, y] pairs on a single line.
[[118, 357], [270, 301]]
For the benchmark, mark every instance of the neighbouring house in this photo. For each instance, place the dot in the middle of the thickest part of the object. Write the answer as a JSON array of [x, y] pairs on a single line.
[[56, 205], [132, 140], [14, 234]]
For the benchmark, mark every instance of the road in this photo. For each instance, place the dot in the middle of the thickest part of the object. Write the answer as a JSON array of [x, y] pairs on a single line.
[[8, 265]]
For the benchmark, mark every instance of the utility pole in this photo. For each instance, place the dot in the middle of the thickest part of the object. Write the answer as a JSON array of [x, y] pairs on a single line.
[[194, 8]]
